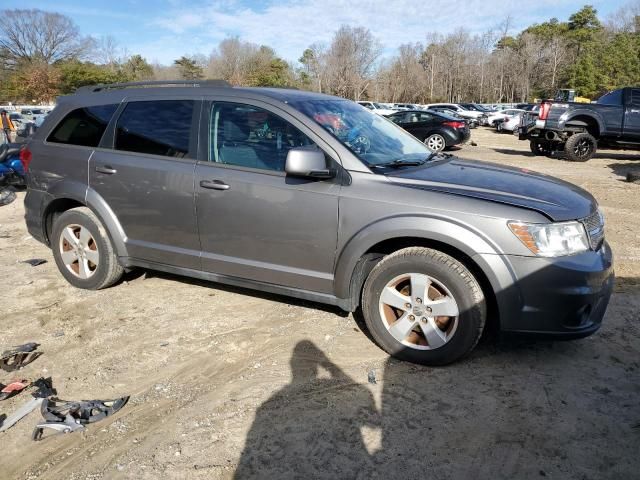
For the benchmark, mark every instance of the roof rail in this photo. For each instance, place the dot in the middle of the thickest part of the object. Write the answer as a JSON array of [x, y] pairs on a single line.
[[156, 83]]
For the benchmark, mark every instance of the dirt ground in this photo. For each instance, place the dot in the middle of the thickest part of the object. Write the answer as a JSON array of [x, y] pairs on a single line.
[[228, 382]]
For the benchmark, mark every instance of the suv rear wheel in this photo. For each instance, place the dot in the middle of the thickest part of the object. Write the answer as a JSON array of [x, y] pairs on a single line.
[[83, 251], [423, 306]]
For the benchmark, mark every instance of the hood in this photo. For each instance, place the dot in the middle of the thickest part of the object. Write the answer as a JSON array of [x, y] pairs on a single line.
[[555, 198]]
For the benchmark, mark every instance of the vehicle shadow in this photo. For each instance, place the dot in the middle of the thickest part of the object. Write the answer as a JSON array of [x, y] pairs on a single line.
[[511, 151], [622, 169]]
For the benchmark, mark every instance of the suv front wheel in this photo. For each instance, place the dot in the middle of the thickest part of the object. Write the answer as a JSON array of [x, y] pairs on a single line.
[[423, 306], [83, 251]]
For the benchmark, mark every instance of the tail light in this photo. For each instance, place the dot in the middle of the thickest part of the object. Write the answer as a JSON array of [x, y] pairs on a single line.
[[455, 124], [25, 158], [544, 110]]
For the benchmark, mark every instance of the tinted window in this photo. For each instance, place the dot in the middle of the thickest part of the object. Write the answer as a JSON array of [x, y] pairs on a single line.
[[635, 96], [160, 127], [611, 98], [397, 118], [252, 137], [83, 126]]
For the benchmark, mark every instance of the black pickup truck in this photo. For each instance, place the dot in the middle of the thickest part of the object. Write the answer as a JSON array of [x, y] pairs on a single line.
[[578, 129]]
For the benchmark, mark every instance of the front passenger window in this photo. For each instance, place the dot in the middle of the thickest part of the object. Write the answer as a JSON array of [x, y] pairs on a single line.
[[252, 137]]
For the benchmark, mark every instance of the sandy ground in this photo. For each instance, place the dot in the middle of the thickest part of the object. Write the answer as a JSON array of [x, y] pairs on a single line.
[[228, 382]]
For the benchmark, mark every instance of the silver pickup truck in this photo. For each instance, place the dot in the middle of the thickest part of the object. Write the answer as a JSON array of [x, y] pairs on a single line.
[[578, 129]]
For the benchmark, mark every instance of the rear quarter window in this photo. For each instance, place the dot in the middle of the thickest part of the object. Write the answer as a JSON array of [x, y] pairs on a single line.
[[158, 127], [83, 126], [611, 98]]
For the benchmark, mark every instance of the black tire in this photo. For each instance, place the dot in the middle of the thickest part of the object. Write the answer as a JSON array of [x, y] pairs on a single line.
[[499, 127], [445, 270], [540, 147], [580, 147], [107, 271]]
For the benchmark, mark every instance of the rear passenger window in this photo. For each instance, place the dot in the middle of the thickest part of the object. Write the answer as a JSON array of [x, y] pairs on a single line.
[[611, 98], [83, 126], [252, 137], [159, 127]]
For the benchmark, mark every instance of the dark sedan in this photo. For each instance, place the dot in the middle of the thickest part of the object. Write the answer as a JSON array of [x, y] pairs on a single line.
[[436, 130]]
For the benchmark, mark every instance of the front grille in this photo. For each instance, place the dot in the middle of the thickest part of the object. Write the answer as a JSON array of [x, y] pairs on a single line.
[[594, 224]]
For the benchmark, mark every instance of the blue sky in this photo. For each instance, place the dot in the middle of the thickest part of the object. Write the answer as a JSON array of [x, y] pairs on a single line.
[[163, 30]]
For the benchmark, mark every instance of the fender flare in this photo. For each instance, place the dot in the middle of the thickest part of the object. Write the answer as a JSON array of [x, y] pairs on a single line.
[[586, 113], [91, 199], [486, 255]]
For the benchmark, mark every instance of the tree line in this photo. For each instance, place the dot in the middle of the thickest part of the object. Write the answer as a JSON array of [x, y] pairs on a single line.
[[43, 54]]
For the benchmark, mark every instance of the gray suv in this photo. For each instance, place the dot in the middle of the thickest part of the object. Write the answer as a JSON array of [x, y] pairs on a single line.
[[314, 197]]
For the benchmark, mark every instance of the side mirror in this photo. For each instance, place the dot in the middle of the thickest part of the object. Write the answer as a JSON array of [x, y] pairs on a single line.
[[308, 163]]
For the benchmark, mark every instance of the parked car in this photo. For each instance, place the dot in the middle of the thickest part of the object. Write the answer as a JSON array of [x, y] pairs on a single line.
[[33, 113], [377, 108], [475, 106], [463, 112], [312, 196], [577, 129], [406, 106], [471, 122], [437, 131], [509, 124], [502, 115]]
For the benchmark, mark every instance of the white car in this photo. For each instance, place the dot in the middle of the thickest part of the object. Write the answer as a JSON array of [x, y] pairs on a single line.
[[510, 124], [463, 112], [502, 115], [378, 108]]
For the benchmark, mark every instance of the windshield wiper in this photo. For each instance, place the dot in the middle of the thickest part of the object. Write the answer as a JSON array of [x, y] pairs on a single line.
[[401, 163]]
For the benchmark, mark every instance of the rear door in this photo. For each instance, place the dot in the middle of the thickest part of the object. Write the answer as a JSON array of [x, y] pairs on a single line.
[[256, 222], [145, 171], [632, 115]]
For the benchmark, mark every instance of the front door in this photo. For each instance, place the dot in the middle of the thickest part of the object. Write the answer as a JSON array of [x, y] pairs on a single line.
[[147, 179], [256, 222]]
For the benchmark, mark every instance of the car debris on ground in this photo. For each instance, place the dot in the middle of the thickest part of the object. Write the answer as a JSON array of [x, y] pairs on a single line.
[[19, 356]]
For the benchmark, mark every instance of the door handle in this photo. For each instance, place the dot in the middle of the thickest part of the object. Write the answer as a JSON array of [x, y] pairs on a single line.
[[106, 169], [214, 184]]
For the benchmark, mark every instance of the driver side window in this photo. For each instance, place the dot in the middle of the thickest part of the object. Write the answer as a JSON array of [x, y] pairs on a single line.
[[251, 137]]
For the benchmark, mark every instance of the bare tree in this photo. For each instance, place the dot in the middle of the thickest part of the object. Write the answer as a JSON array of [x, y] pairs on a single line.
[[350, 61], [35, 36]]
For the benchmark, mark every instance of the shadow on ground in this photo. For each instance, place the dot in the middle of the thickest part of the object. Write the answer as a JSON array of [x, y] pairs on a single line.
[[140, 274], [515, 408], [621, 169]]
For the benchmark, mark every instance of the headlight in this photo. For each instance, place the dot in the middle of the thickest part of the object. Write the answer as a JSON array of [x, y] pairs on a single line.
[[552, 239]]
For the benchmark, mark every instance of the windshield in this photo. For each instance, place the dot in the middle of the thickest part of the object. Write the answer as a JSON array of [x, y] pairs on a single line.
[[372, 138], [37, 112], [377, 105]]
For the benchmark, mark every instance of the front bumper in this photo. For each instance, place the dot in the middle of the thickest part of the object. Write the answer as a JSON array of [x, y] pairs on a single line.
[[562, 297]]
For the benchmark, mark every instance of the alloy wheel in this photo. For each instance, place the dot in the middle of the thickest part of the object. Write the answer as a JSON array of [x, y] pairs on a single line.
[[583, 148], [79, 251], [435, 143], [419, 311]]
